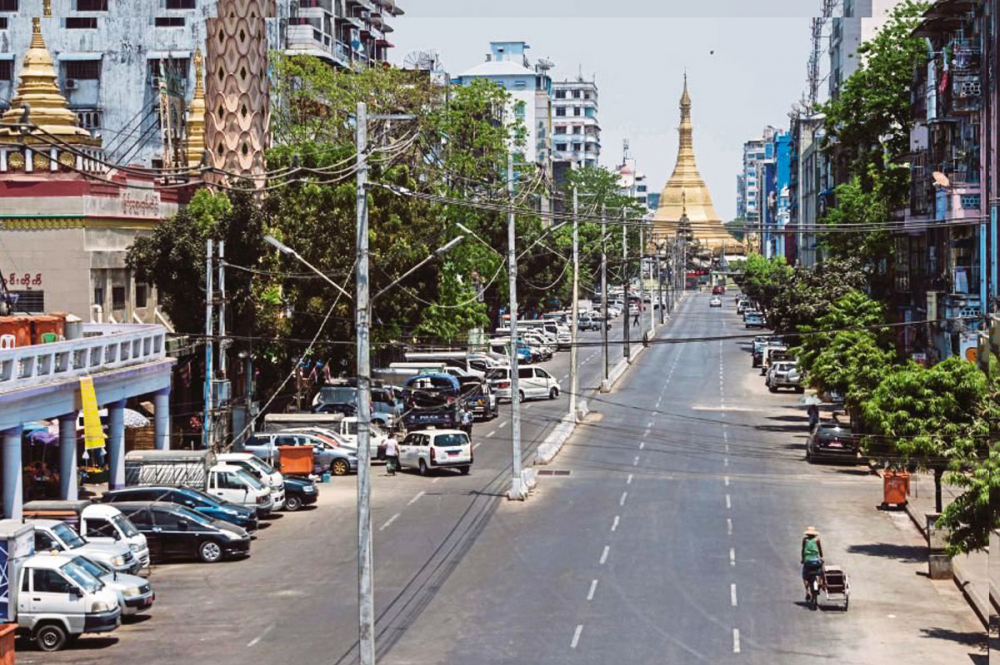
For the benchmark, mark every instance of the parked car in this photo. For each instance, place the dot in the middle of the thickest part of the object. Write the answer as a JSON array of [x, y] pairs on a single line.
[[753, 320], [299, 492], [784, 374], [60, 537], [95, 522], [175, 532], [327, 456], [477, 398], [135, 594], [741, 306], [260, 470], [533, 382], [434, 400], [200, 502], [716, 301], [759, 344], [427, 450], [832, 442], [773, 352]]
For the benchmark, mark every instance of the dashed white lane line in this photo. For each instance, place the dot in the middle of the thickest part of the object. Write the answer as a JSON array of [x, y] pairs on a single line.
[[646, 433], [725, 461], [732, 556], [593, 588], [732, 595], [649, 424], [628, 481], [503, 424], [642, 444], [604, 554], [729, 526], [477, 444], [727, 481], [262, 635], [621, 502], [435, 480], [736, 640], [565, 376], [388, 522], [492, 432], [576, 636], [635, 462], [416, 498], [729, 502], [614, 525]]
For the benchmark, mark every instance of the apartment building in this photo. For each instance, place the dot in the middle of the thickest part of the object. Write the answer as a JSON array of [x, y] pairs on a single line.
[[576, 134]]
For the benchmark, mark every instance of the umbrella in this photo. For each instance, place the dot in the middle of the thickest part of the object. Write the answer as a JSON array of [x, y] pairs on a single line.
[[810, 400], [43, 436], [132, 418]]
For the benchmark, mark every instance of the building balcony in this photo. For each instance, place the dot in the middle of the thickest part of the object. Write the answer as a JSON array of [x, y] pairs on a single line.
[[306, 39]]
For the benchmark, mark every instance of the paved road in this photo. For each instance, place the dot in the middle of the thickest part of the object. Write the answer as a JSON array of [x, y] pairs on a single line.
[[675, 539], [294, 599]]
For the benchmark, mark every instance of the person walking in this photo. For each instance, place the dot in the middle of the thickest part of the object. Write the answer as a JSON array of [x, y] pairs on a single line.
[[391, 455]]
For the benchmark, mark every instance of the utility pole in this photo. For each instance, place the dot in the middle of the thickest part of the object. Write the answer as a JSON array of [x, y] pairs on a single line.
[[516, 486], [659, 284], [604, 296], [222, 426], [206, 425], [574, 380], [366, 583], [628, 316], [642, 298]]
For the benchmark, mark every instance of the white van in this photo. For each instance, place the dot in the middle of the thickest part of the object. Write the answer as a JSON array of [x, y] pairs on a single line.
[[431, 449], [533, 382], [96, 522], [233, 484], [262, 471]]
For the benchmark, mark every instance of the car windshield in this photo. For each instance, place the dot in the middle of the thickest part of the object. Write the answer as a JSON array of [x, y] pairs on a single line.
[[124, 525], [449, 440], [92, 567], [337, 395], [68, 536], [260, 466], [83, 578], [197, 518], [250, 480], [497, 373]]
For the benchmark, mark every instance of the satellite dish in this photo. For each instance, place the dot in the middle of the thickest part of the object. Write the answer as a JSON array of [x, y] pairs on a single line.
[[941, 180], [425, 61], [545, 64]]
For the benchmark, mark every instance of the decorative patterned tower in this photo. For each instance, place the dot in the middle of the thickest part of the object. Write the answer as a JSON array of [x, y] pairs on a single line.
[[686, 192], [236, 90]]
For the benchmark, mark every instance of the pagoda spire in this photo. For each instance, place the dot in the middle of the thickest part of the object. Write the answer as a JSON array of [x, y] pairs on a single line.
[[196, 115]]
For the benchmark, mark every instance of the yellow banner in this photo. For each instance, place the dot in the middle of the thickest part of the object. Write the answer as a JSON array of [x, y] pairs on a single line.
[[93, 433]]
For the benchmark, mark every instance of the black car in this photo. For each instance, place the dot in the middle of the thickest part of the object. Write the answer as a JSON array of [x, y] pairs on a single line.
[[174, 532], [299, 492], [832, 442], [200, 502]]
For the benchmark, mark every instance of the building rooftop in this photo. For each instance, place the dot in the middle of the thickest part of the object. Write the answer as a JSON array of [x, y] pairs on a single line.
[[501, 68]]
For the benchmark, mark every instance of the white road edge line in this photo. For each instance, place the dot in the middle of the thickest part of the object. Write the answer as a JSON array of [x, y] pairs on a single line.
[[614, 525], [416, 498], [593, 588], [604, 554], [576, 636], [388, 522], [732, 594], [736, 640], [621, 501]]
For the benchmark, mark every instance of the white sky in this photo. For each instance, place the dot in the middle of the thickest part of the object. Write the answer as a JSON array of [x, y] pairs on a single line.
[[638, 55]]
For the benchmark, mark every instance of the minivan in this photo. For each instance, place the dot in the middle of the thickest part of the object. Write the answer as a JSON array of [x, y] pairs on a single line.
[[176, 532], [533, 382]]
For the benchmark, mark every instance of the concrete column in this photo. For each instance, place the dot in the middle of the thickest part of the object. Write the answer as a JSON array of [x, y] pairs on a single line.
[[116, 445], [67, 457], [13, 474], [161, 422]]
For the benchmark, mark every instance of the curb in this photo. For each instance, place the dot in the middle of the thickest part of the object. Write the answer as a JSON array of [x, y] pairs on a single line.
[[972, 597]]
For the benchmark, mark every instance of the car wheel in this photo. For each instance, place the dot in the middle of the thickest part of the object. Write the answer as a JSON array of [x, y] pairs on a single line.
[[553, 393], [209, 552], [809, 457], [799, 389], [465, 470], [51, 637], [423, 468], [292, 503], [773, 389], [340, 467], [520, 395]]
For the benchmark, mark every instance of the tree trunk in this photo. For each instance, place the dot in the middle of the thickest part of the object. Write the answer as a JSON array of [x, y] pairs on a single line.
[[938, 474]]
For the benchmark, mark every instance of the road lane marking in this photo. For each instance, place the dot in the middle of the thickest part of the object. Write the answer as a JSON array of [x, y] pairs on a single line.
[[565, 376], [492, 432], [736, 640], [725, 461], [732, 594], [729, 502], [642, 444], [503, 424], [388, 522], [593, 588], [621, 501], [262, 635], [604, 554], [729, 526], [435, 480], [416, 498], [732, 557], [614, 525], [649, 424], [629, 480], [646, 433], [635, 462], [477, 444], [576, 636], [727, 481]]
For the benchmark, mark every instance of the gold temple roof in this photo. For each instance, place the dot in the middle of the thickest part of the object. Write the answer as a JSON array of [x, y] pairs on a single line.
[[686, 193], [48, 109]]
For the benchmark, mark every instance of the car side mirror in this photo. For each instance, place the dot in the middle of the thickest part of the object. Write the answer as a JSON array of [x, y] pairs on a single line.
[[75, 592]]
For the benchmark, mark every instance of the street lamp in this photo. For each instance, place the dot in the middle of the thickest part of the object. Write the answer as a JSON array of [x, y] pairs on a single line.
[[285, 249], [440, 251]]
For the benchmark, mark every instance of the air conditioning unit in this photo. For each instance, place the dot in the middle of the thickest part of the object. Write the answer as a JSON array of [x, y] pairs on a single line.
[[154, 82], [70, 84]]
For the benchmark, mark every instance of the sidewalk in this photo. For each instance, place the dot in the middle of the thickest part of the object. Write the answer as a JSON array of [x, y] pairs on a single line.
[[972, 572]]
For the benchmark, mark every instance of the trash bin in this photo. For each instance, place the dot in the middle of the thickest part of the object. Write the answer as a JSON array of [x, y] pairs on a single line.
[[895, 488], [295, 460], [7, 643]]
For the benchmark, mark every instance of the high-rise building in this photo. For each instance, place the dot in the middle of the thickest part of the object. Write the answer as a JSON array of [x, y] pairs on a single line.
[[632, 182], [749, 199], [576, 134], [858, 22]]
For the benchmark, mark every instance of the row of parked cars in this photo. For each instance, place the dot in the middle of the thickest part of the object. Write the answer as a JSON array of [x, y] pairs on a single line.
[[74, 566]]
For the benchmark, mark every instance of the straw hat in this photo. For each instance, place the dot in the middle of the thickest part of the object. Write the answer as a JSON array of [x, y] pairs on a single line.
[[811, 531]]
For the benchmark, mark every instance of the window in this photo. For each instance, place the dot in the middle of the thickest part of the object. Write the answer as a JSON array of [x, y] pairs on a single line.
[[560, 129], [141, 295], [98, 295], [101, 528], [561, 112], [577, 130], [8, 5], [83, 70], [91, 5], [577, 110], [576, 146], [169, 21], [81, 23], [167, 520], [6, 66], [50, 581], [45, 542], [29, 301], [180, 4], [560, 94], [140, 518], [576, 94], [3, 26], [524, 373], [561, 147], [117, 297]]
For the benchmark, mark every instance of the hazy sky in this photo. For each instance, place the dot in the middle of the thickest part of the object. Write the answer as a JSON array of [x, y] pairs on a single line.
[[638, 54]]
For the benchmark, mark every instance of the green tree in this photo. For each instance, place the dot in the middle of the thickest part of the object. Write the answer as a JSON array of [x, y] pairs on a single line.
[[812, 291], [854, 311], [764, 279], [935, 418], [853, 364]]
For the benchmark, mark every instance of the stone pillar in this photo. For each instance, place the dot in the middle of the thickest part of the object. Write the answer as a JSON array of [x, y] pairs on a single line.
[[161, 423], [116, 445], [13, 474], [67, 457]]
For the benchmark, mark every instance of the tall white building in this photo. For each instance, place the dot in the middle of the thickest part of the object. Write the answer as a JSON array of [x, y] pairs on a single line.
[[858, 22], [576, 134], [748, 198]]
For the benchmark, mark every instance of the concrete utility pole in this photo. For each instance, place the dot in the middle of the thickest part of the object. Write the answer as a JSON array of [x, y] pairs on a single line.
[[222, 425], [206, 424], [604, 297], [366, 582], [574, 377], [627, 318], [516, 485], [659, 284]]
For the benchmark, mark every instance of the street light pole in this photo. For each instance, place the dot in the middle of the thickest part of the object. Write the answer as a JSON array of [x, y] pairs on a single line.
[[659, 284], [604, 296], [628, 315], [574, 380], [516, 485], [366, 583]]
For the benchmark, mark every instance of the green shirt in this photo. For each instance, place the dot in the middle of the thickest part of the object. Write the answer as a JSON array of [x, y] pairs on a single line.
[[810, 550]]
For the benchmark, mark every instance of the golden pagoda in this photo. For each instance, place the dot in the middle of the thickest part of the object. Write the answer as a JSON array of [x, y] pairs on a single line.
[[196, 115], [47, 110], [686, 194]]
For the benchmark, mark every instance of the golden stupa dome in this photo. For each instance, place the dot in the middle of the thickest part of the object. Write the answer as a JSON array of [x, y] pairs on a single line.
[[48, 110]]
